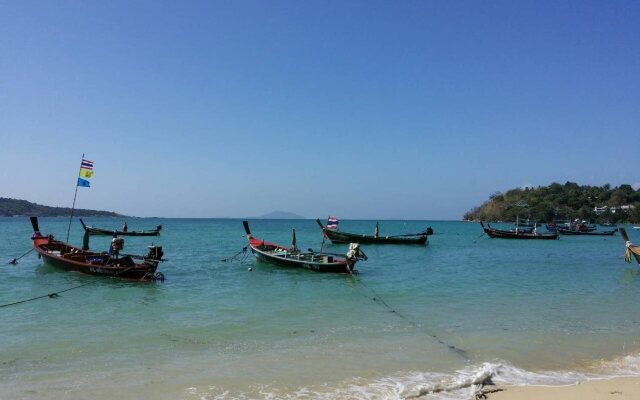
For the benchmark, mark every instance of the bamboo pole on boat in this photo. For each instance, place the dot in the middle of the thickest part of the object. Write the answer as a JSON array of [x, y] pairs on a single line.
[[74, 201]]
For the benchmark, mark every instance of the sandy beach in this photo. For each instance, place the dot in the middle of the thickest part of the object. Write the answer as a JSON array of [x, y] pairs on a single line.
[[618, 388]]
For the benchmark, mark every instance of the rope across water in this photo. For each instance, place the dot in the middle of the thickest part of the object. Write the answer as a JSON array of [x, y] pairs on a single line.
[[50, 295], [15, 260], [235, 256], [56, 294], [460, 352]]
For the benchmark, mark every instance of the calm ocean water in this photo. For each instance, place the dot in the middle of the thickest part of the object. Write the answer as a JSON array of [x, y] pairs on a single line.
[[444, 316]]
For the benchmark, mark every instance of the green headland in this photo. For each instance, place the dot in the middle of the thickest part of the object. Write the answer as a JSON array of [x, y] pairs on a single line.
[[16, 208], [619, 204]]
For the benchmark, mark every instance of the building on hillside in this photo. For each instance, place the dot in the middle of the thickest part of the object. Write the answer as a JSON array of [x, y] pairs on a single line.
[[600, 210], [625, 208]]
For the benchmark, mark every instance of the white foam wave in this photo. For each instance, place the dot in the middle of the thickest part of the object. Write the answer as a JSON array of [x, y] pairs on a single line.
[[460, 385]]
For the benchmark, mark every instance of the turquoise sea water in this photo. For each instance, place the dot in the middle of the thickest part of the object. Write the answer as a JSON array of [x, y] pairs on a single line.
[[414, 320]]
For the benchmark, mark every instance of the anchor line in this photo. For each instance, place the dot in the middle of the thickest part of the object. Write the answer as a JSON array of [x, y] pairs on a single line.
[[56, 294], [460, 352], [234, 257], [15, 260]]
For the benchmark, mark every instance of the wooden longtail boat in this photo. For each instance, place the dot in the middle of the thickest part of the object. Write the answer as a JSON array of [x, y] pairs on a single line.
[[504, 234], [344, 237], [62, 255], [553, 227], [631, 248], [292, 257], [99, 231], [572, 232]]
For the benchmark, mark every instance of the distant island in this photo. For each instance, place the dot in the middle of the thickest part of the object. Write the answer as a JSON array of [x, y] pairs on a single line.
[[562, 202], [279, 215], [16, 208]]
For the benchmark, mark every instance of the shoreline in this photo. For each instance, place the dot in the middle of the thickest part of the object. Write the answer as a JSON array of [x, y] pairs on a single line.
[[627, 388]]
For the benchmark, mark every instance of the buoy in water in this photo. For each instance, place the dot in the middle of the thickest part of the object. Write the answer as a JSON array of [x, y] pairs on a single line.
[[249, 269]]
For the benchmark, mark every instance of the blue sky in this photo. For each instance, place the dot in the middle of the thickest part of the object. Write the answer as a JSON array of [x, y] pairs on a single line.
[[414, 109]]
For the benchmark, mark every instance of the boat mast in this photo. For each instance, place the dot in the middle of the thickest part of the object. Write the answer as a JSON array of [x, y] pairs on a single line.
[[74, 201]]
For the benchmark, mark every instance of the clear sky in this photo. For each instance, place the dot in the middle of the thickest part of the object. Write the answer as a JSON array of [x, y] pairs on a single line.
[[362, 109]]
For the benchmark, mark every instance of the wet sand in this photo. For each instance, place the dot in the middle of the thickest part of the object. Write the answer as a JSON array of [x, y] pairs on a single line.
[[618, 389]]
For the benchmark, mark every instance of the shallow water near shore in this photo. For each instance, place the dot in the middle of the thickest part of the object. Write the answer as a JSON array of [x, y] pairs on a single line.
[[416, 320]]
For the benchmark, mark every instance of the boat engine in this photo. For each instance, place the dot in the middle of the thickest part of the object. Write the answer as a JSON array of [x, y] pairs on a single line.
[[155, 253], [355, 253], [117, 244]]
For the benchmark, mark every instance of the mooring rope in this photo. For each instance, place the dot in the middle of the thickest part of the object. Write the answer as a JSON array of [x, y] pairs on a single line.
[[50, 295], [460, 352], [235, 256], [15, 260], [56, 294]]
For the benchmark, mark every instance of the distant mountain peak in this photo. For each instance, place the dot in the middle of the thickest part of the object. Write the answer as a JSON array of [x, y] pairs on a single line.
[[279, 215]]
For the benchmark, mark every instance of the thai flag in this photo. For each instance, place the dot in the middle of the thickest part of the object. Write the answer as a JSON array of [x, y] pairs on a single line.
[[86, 164], [332, 223]]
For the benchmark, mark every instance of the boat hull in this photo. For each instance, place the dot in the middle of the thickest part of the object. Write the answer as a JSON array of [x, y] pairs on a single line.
[[293, 258], [106, 232], [632, 249], [501, 234], [68, 258], [569, 232], [136, 273], [344, 237], [336, 267]]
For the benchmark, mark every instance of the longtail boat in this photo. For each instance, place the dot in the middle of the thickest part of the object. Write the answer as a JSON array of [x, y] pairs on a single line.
[[67, 257], [504, 234], [344, 237], [630, 247], [573, 226], [574, 232], [99, 231], [292, 257]]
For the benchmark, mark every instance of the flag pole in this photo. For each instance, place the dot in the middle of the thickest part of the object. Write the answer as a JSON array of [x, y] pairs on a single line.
[[74, 202]]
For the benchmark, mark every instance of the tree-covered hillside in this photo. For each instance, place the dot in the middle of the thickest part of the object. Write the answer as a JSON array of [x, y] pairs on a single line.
[[14, 207], [557, 201]]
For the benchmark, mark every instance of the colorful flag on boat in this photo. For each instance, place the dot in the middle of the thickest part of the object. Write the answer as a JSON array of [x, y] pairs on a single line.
[[86, 164], [83, 183], [332, 223], [86, 172]]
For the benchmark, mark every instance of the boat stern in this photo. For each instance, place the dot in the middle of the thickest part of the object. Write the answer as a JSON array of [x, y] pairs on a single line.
[[354, 255], [37, 237]]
